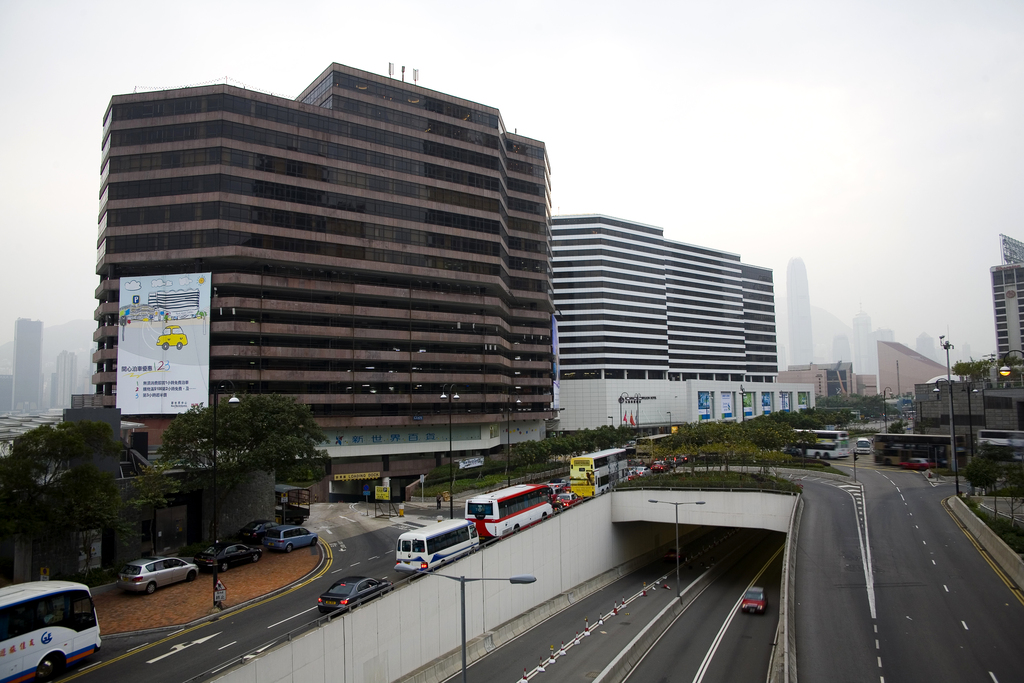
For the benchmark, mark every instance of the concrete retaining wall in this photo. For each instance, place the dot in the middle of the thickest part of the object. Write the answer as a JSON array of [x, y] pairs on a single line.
[[391, 638], [1009, 561]]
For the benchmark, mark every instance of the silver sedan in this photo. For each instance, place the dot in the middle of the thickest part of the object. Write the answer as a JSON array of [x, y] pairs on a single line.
[[150, 573]]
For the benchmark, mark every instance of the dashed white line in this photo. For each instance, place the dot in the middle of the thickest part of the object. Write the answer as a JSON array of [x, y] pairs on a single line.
[[876, 644], [994, 679], [373, 558], [879, 662], [328, 531], [924, 542], [946, 587], [965, 625], [137, 647], [933, 561], [228, 645], [355, 563]]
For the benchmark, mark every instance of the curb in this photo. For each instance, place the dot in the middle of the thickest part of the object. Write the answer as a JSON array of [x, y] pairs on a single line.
[[222, 613]]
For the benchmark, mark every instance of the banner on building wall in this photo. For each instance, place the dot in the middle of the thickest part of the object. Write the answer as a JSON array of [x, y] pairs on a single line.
[[784, 401], [704, 405], [803, 398], [163, 351], [726, 404], [748, 403], [766, 403], [554, 374]]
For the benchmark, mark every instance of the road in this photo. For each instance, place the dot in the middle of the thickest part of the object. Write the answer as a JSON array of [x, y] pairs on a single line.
[[356, 547], [890, 588]]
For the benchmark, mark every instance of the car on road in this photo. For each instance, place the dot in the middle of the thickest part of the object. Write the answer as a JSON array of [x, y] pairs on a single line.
[[149, 573], [641, 471], [566, 500], [172, 336], [255, 530], [346, 593], [658, 467], [754, 600], [916, 464], [226, 555], [288, 538]]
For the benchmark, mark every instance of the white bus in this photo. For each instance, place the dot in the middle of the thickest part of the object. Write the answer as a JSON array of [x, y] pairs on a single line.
[[509, 510], [45, 626], [437, 545], [1005, 438], [829, 444]]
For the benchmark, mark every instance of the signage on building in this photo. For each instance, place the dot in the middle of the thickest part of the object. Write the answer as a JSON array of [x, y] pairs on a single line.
[[163, 350], [382, 493], [356, 476], [467, 463]]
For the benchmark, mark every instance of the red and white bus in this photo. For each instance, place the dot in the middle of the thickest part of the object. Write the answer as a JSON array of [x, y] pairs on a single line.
[[507, 511]]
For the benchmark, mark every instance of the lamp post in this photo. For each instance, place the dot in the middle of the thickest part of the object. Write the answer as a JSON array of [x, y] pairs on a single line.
[[741, 404], [669, 412], [449, 395], [885, 414], [463, 580], [1005, 370], [952, 423], [231, 401], [676, 505], [969, 388], [508, 434]]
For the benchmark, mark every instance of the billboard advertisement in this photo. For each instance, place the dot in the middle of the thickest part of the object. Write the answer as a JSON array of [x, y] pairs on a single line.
[[704, 405], [802, 399], [748, 403], [726, 404], [163, 351], [555, 388], [784, 401], [766, 403]]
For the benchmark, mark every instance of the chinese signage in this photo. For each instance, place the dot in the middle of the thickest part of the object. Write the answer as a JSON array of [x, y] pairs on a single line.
[[357, 476], [382, 493], [435, 435], [163, 354]]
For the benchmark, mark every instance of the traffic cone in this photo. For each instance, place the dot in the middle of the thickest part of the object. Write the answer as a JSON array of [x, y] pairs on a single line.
[[561, 653], [577, 641], [540, 667], [524, 679], [586, 627], [644, 594], [615, 609]]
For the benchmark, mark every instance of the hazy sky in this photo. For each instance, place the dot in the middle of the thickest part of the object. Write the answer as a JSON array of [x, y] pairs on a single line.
[[882, 142]]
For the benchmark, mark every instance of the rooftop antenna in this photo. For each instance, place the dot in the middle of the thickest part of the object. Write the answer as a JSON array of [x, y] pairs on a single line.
[[415, 76], [391, 69], [403, 74]]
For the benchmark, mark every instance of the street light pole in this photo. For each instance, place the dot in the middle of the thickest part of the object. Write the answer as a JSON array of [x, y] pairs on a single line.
[[741, 404], [679, 589], [669, 421], [885, 413], [453, 394], [463, 580], [952, 423], [508, 435], [231, 401]]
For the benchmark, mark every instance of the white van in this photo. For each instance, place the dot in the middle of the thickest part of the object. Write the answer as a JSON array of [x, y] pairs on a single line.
[[863, 446]]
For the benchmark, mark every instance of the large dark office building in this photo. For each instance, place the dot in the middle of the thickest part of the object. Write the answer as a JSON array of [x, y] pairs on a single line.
[[372, 244]]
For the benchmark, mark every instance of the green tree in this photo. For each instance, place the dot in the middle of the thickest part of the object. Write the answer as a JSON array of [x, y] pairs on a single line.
[[152, 489], [262, 432], [89, 502], [976, 369], [982, 472]]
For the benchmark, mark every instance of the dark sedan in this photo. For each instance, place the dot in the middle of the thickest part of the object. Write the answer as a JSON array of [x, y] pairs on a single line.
[[350, 591], [254, 531], [225, 555]]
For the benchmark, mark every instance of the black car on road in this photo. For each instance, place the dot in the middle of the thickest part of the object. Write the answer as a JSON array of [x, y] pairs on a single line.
[[254, 531], [350, 591], [225, 555]]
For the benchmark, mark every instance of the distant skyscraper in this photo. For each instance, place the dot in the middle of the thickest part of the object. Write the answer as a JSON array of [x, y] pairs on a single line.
[[28, 365], [926, 347], [66, 379], [6, 387], [863, 348], [841, 348], [1007, 283], [798, 299]]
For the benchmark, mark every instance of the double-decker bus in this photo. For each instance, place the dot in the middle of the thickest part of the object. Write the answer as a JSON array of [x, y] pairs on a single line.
[[437, 545], [45, 626], [893, 449], [595, 473], [829, 444], [509, 510]]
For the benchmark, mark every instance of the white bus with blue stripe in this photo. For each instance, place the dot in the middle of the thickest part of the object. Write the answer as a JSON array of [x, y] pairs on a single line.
[[436, 545]]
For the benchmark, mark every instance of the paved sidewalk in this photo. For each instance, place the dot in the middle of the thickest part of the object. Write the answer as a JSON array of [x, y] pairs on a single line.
[[122, 612]]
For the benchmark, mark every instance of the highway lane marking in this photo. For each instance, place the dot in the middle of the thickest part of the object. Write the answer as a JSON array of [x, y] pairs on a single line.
[[228, 645], [292, 617], [994, 679], [373, 558], [879, 662], [137, 647], [327, 565], [984, 554], [327, 530], [865, 551], [933, 562], [924, 542], [965, 625], [732, 613], [183, 646], [946, 587]]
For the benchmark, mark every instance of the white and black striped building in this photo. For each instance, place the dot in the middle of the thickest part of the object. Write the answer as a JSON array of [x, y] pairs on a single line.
[[636, 311]]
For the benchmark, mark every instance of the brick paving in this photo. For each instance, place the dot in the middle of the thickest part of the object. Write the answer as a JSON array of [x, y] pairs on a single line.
[[120, 611]]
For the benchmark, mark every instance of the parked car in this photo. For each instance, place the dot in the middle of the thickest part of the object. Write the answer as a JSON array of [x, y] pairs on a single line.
[[255, 530], [754, 600], [916, 464], [346, 593], [566, 500], [288, 538], [225, 555], [149, 573]]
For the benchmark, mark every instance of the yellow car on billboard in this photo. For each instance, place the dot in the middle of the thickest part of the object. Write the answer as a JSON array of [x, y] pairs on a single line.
[[172, 336]]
